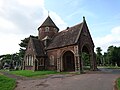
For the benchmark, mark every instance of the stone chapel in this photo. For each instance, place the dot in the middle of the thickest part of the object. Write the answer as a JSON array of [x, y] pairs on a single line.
[[60, 51]]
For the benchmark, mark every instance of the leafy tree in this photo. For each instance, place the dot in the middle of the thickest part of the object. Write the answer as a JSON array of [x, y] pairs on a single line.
[[109, 52], [5, 59], [116, 56], [105, 59], [112, 56], [86, 61], [99, 56], [1, 64], [10, 59], [85, 58], [23, 46]]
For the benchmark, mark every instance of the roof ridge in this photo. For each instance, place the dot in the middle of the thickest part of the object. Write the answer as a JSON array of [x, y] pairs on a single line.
[[79, 32], [71, 27]]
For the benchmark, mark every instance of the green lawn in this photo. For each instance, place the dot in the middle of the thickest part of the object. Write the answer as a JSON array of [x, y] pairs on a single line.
[[29, 73], [118, 83], [6, 83]]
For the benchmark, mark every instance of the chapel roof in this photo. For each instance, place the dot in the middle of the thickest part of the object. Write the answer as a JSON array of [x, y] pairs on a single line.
[[38, 47], [66, 37]]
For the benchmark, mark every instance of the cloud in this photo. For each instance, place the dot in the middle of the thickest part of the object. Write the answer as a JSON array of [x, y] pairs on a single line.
[[58, 20], [9, 43], [111, 39], [19, 19], [6, 25], [31, 3]]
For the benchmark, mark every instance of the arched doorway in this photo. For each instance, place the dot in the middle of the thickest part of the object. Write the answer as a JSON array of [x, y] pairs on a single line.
[[68, 61], [86, 58]]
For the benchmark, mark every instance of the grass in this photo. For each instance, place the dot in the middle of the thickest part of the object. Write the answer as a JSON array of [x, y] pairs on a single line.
[[29, 73], [40, 74], [6, 83], [36, 74], [118, 83]]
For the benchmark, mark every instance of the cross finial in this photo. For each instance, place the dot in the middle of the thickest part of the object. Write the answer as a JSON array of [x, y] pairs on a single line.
[[83, 18]]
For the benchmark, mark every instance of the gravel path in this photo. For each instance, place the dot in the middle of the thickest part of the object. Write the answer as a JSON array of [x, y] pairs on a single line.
[[100, 80], [77, 82]]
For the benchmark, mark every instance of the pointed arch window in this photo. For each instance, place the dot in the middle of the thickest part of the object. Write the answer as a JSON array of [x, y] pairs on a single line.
[[52, 61], [29, 60]]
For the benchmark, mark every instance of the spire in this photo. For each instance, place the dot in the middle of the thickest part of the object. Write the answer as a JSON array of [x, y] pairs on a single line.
[[48, 22]]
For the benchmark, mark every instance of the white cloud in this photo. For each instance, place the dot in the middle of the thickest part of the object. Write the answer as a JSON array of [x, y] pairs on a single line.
[[9, 43], [1, 3], [116, 30], [58, 20], [31, 3], [111, 39], [6, 22], [19, 19]]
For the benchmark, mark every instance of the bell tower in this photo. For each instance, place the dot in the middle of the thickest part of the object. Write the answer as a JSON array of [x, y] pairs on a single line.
[[48, 28]]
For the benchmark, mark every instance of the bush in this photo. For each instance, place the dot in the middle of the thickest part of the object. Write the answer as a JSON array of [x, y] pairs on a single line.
[[118, 83]]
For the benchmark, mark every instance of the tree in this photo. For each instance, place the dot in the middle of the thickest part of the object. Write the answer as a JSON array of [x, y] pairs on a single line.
[[85, 58], [23, 46], [112, 56], [106, 59], [116, 56], [5, 59], [99, 56]]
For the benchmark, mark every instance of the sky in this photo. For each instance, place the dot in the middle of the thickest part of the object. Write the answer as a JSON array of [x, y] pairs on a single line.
[[21, 18]]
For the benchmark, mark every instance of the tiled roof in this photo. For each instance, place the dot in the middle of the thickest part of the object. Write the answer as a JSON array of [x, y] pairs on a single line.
[[38, 47], [48, 22], [66, 37]]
